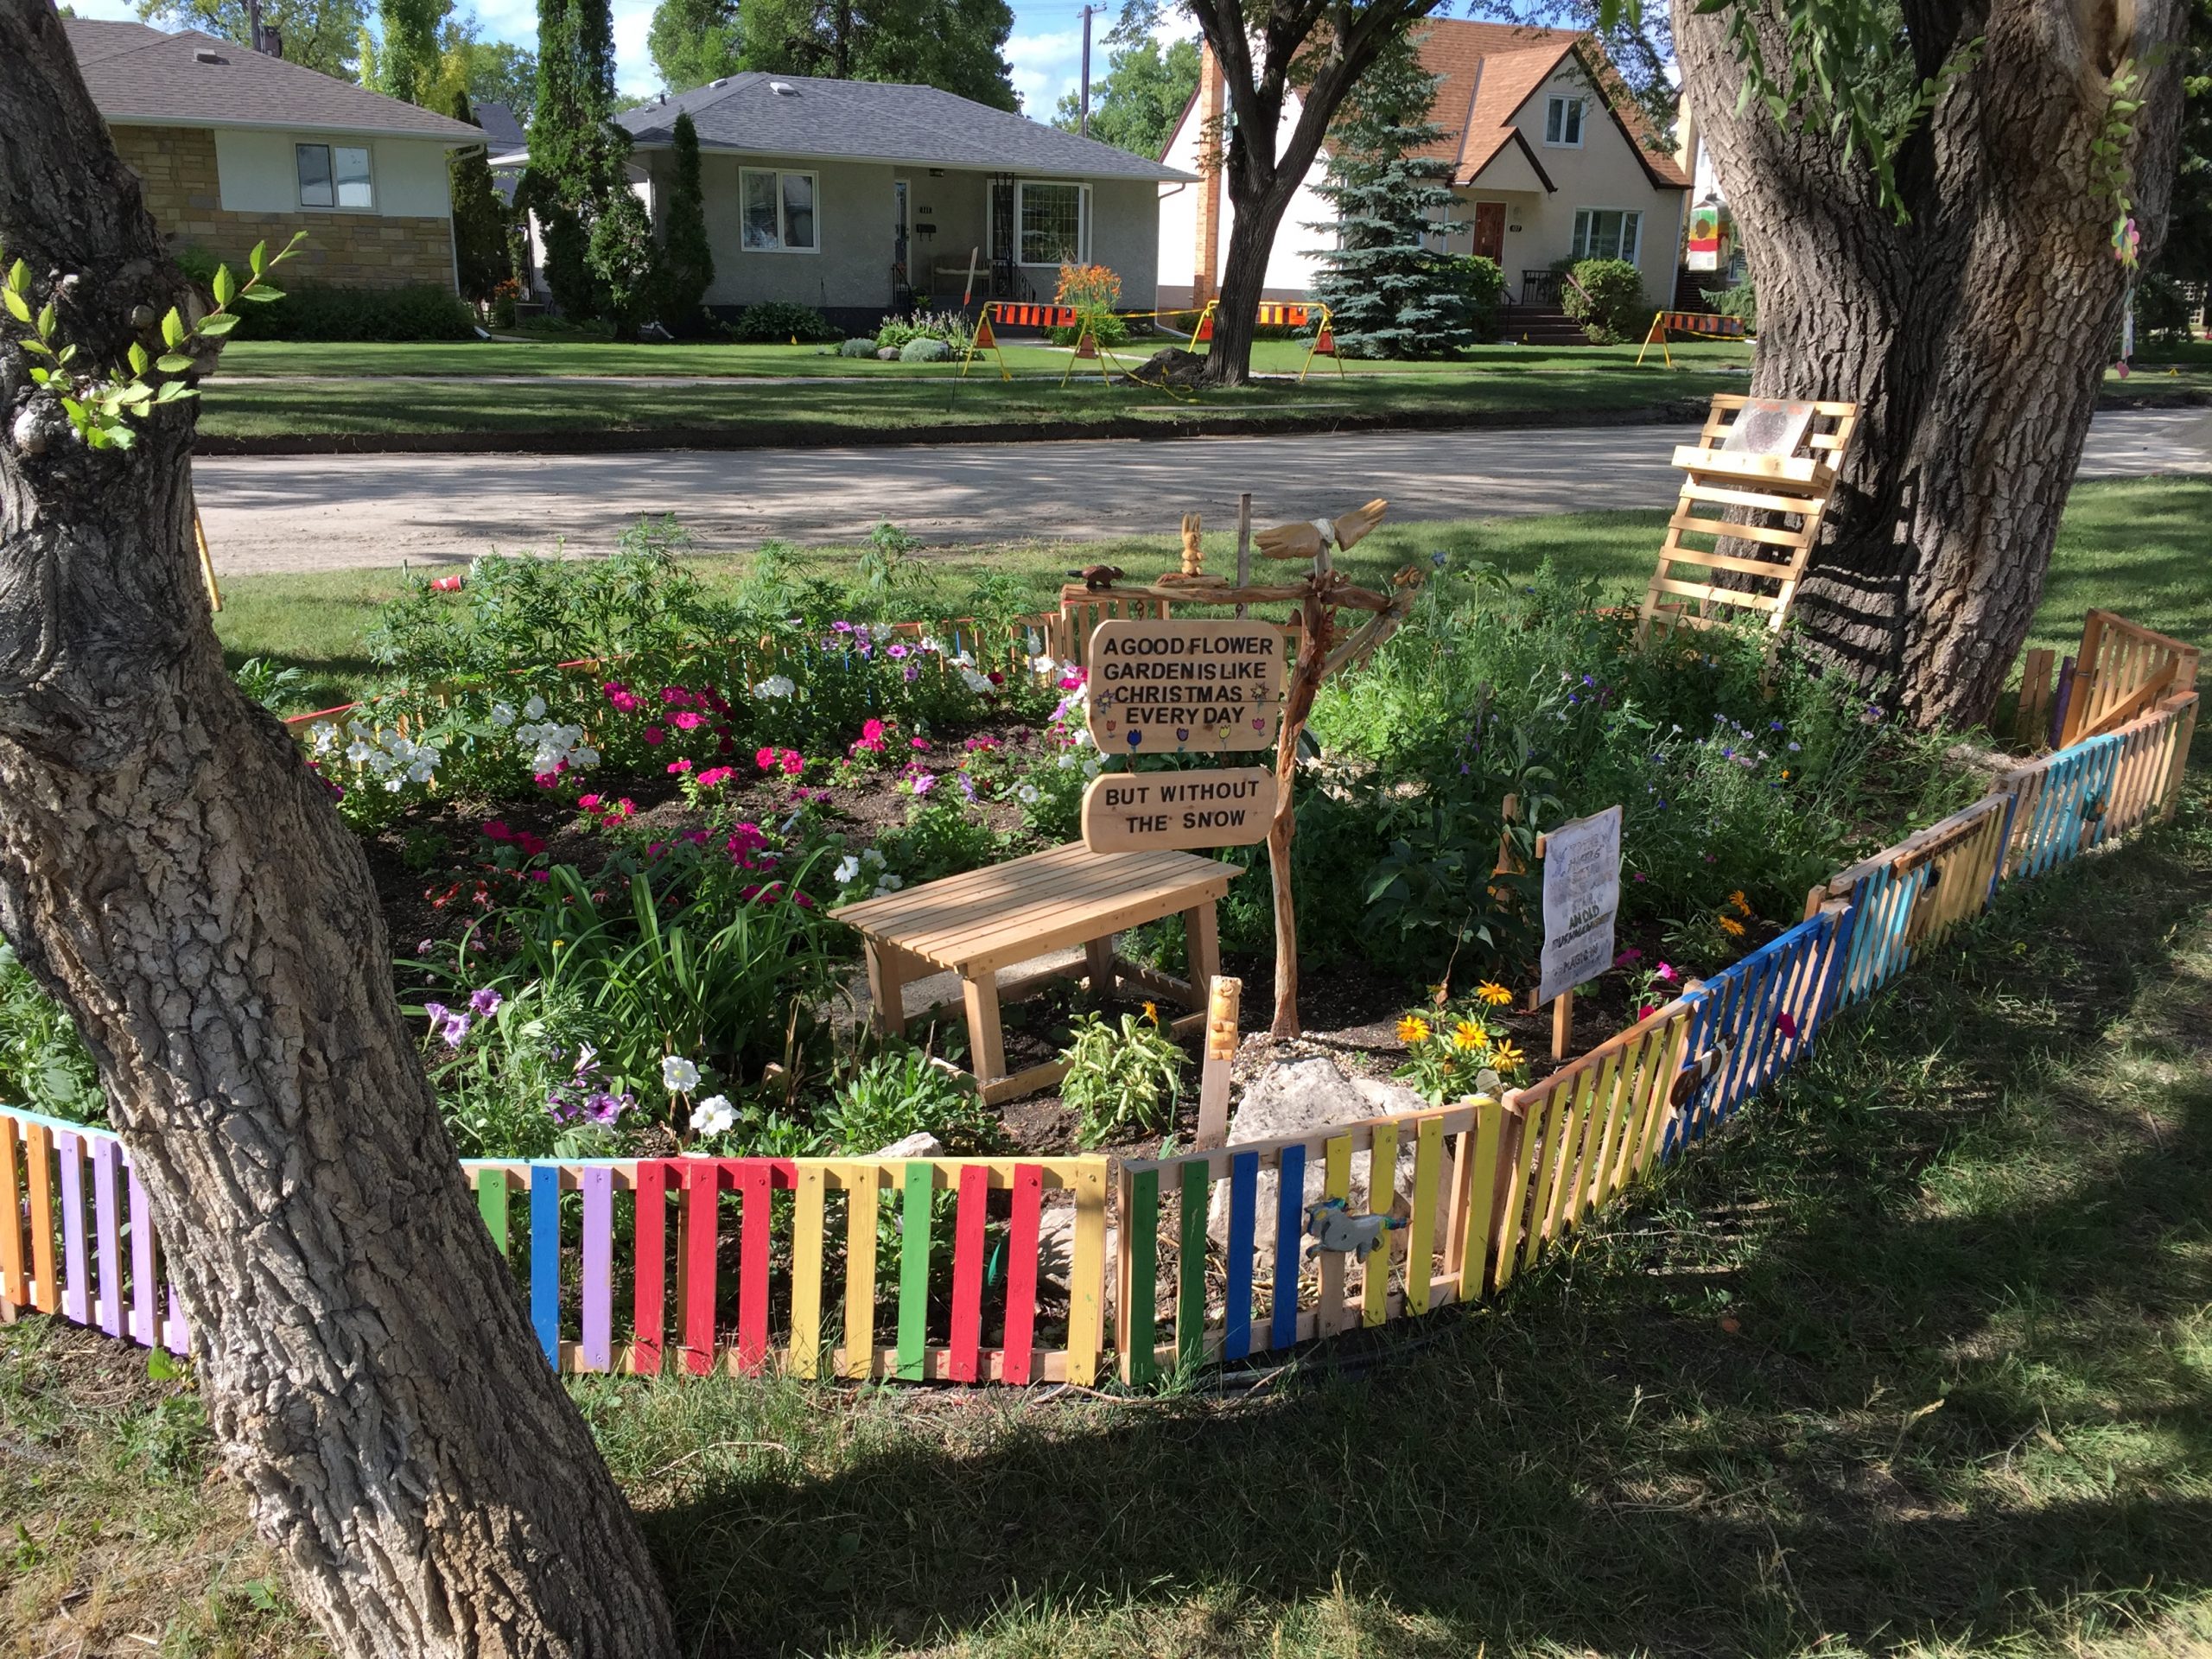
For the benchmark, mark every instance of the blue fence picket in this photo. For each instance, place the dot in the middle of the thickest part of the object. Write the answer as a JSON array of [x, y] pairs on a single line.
[[1762, 1011], [2066, 814]]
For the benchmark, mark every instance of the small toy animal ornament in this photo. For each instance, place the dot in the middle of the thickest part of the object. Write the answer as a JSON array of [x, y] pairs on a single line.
[[1332, 1226], [1099, 577]]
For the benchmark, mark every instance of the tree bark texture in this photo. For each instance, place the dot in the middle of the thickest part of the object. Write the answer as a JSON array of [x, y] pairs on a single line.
[[175, 874], [1973, 335], [1333, 47]]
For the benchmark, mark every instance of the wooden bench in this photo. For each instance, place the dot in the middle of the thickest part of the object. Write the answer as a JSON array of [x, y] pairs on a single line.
[[991, 919]]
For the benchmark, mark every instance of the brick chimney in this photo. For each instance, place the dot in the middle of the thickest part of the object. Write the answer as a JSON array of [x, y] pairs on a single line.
[[1212, 93]]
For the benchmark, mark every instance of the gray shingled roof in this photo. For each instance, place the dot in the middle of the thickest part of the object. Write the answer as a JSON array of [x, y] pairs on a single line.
[[879, 121], [140, 74]]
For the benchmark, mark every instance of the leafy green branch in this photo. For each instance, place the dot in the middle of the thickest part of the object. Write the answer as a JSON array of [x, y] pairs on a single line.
[[100, 405]]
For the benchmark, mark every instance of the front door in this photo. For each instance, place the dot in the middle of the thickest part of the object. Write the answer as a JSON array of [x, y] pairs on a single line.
[[1490, 230], [900, 224]]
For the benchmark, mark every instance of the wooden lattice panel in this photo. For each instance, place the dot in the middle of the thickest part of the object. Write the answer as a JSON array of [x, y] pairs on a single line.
[[1779, 501], [2123, 670]]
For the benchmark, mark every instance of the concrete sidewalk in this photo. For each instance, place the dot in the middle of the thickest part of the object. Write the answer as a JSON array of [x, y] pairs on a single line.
[[322, 513]]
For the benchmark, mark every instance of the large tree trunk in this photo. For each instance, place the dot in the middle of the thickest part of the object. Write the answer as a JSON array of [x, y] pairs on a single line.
[[1243, 279], [173, 872], [1973, 336]]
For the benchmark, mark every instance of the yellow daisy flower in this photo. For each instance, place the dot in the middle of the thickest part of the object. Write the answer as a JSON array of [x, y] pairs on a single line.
[[1152, 1012], [1413, 1029], [1469, 1036], [1506, 1055], [1731, 926], [1493, 993], [1742, 904]]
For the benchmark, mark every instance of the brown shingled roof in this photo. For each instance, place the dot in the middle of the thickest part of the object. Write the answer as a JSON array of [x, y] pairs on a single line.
[[140, 74], [1489, 70]]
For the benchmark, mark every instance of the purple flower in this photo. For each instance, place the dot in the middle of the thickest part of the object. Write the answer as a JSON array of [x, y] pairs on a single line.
[[913, 673], [455, 1029], [925, 782], [895, 652], [423, 947], [437, 1011], [485, 1002]]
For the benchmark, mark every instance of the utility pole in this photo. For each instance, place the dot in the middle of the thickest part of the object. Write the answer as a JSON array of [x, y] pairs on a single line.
[[1083, 125]]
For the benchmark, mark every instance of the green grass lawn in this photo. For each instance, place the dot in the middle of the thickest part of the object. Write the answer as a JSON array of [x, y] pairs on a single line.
[[1912, 1360], [2141, 546]]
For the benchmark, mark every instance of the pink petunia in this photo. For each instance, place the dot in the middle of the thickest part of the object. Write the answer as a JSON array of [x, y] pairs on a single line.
[[1665, 972], [1784, 1023], [679, 766], [589, 803], [655, 737], [715, 776], [689, 721], [531, 845], [498, 830], [917, 743], [794, 762]]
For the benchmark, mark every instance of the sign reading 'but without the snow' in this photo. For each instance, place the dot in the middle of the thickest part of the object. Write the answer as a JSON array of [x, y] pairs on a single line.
[[1227, 806], [1171, 687], [1582, 892]]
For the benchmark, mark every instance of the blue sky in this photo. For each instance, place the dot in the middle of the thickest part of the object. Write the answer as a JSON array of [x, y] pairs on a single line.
[[1045, 49]]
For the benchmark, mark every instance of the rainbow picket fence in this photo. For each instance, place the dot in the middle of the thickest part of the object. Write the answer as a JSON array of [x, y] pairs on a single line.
[[991, 1270]]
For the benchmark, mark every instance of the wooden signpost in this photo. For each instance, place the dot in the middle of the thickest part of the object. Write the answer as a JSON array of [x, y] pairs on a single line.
[[1173, 686], [1186, 811], [1180, 686], [1582, 895]]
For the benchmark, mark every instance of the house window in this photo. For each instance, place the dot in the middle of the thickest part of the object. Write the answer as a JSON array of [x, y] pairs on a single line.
[[778, 212], [1607, 233], [334, 175], [1053, 223], [1563, 121]]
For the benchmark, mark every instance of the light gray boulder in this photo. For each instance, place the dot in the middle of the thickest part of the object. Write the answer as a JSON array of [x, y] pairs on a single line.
[[921, 1144]]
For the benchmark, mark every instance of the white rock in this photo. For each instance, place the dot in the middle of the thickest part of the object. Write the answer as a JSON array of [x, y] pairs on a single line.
[[1307, 1096], [921, 1144]]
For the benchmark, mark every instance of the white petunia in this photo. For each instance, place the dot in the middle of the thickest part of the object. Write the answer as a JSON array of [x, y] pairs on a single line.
[[534, 709], [713, 1116], [878, 631], [976, 682], [776, 685], [326, 738], [678, 1075], [873, 858], [1026, 794], [357, 751], [848, 867], [503, 714], [1067, 762], [1091, 768], [887, 884]]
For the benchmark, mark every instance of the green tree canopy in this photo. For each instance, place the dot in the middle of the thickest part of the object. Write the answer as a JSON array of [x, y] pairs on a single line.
[[576, 158], [957, 45], [687, 261], [324, 35], [694, 42], [1143, 93], [407, 57]]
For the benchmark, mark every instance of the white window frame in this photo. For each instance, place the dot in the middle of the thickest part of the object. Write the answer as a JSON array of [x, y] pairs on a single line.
[[1578, 239], [1082, 222], [330, 164], [782, 228], [1561, 104]]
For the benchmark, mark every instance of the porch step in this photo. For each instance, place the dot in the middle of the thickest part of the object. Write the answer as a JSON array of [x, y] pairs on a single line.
[[1540, 325]]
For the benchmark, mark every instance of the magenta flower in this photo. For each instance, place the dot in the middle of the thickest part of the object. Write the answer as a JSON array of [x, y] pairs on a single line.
[[655, 737]]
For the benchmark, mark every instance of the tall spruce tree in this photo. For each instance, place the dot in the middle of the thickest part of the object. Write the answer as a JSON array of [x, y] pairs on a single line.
[[574, 159], [1388, 293], [479, 218], [687, 262]]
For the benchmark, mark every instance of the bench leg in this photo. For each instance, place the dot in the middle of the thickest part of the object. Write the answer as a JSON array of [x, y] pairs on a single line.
[[985, 1044], [1202, 937], [886, 989], [1100, 954]]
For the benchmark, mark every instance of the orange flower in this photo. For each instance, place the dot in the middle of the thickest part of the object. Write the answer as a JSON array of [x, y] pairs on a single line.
[[1493, 993], [1731, 926], [1413, 1029]]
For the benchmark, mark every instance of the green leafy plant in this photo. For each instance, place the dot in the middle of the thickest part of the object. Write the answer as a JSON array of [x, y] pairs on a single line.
[[101, 403], [43, 1064], [905, 1091], [886, 564], [771, 322], [1121, 1077], [1462, 1048], [266, 683], [1606, 298]]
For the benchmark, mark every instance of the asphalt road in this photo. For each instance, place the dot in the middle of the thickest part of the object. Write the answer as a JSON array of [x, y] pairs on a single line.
[[319, 512]]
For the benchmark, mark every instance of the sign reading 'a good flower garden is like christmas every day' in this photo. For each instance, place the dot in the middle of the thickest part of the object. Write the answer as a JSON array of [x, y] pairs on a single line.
[[1173, 686], [1227, 806]]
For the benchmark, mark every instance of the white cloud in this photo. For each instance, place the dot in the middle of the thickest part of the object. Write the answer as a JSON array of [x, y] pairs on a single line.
[[633, 64], [1046, 65]]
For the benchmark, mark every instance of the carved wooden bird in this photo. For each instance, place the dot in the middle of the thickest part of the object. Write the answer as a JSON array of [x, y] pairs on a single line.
[[1305, 541], [1099, 577]]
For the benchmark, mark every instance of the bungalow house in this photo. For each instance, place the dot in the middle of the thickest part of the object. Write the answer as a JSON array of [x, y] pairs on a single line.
[[1551, 159], [857, 197], [234, 147]]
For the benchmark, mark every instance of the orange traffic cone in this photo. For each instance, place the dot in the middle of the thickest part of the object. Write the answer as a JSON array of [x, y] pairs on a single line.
[[1324, 343], [1086, 346], [1205, 330], [985, 340]]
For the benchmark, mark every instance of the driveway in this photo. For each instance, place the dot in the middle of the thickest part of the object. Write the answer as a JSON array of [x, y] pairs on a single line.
[[322, 513]]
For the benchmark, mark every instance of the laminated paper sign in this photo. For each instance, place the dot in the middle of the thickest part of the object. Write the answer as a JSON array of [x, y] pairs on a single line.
[[1582, 892], [1128, 812], [1170, 687]]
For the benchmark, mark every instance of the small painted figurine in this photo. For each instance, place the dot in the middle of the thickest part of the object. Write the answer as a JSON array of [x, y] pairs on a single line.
[[1099, 577], [1332, 1226]]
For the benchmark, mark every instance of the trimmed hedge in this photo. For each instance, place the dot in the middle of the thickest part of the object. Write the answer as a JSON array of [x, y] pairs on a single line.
[[772, 322], [313, 312]]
